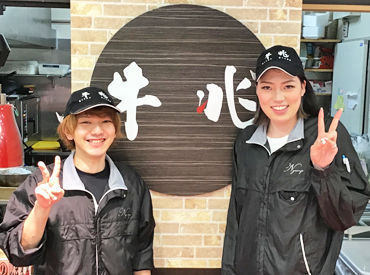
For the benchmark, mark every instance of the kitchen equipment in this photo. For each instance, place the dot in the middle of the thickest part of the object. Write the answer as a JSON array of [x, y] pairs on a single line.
[[15, 176], [2, 97], [316, 19], [53, 69], [4, 50], [20, 67], [351, 85], [314, 25], [303, 60], [326, 62], [352, 260], [12, 86], [29, 27], [11, 151], [313, 32], [9, 84], [316, 62], [46, 145], [27, 108]]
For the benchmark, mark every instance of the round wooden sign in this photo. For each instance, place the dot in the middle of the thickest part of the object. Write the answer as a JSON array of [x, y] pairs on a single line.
[[181, 77]]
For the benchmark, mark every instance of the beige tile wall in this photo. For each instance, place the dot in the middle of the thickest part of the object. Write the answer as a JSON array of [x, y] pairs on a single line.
[[189, 231]]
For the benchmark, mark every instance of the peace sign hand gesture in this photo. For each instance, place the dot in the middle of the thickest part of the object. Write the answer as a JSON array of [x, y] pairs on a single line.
[[325, 147], [48, 191]]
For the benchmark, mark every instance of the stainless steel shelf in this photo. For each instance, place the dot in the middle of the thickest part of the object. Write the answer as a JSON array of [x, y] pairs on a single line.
[[317, 70]]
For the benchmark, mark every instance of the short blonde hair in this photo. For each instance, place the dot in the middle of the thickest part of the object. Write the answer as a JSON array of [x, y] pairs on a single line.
[[69, 123]]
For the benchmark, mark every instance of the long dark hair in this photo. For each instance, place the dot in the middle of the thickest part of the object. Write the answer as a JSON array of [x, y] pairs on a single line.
[[309, 101], [308, 108]]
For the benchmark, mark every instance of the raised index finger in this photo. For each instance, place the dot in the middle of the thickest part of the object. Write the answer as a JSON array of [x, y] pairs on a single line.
[[56, 169], [44, 171], [320, 123], [335, 121]]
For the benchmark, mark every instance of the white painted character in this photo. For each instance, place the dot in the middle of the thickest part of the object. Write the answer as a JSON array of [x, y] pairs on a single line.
[[215, 98], [127, 91], [214, 102]]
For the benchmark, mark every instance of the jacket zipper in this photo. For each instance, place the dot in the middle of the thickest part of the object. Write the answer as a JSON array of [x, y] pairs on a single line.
[[263, 232], [304, 254], [96, 247], [96, 206], [262, 225]]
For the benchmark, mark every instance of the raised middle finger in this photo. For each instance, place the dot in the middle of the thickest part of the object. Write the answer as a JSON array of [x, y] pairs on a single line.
[[335, 121], [56, 170]]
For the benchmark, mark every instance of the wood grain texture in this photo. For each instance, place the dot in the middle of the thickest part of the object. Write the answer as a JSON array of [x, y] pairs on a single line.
[[181, 49]]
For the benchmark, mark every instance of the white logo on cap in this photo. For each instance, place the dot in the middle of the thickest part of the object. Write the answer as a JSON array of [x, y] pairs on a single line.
[[267, 56], [103, 96], [85, 95], [284, 55]]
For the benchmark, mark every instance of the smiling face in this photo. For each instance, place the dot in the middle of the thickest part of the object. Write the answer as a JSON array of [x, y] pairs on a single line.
[[279, 95], [92, 136]]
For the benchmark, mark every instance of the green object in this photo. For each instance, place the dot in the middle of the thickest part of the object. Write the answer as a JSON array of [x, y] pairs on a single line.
[[16, 112], [339, 103]]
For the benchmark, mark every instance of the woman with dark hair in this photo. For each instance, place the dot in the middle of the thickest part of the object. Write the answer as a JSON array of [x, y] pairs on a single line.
[[292, 194]]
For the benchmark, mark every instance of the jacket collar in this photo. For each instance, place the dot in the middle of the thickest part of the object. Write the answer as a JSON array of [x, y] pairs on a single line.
[[260, 135], [71, 180]]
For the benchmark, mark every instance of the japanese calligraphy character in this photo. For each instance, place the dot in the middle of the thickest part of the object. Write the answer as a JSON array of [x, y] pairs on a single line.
[[212, 107], [127, 91]]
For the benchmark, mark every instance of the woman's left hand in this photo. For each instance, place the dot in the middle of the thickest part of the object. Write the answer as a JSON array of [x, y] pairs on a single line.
[[325, 147]]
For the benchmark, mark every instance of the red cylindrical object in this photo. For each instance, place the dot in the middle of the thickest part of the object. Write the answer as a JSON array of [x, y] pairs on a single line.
[[11, 151]]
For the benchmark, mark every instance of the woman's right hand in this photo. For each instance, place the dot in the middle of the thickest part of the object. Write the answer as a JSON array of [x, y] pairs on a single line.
[[48, 191]]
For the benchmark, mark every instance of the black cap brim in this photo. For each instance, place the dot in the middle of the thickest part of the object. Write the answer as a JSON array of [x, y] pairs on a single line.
[[273, 67], [94, 106]]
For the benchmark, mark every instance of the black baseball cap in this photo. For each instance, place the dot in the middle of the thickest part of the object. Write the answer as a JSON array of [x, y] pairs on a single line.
[[88, 98], [279, 57]]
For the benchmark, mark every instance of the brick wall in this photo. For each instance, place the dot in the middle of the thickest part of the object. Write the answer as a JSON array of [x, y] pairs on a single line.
[[189, 231]]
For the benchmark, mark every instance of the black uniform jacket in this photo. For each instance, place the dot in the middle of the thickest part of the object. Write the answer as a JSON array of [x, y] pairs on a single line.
[[82, 236], [286, 217]]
